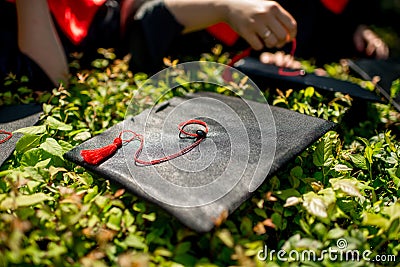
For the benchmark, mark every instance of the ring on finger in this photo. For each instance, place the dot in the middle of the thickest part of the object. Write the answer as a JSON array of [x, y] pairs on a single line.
[[267, 33]]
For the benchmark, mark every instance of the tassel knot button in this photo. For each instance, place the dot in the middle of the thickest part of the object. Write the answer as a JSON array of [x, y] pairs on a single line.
[[118, 142], [200, 134]]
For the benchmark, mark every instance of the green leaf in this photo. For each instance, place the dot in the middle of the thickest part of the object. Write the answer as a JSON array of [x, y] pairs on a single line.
[[393, 211], [279, 100], [31, 157], [315, 205], [52, 147], [346, 186], [226, 238], [114, 219], [375, 220], [83, 136], [323, 152], [297, 172], [292, 201], [135, 241], [335, 233], [47, 108], [261, 213], [65, 145], [320, 229], [127, 218], [41, 129], [27, 142], [55, 250], [277, 219], [394, 229], [359, 161], [342, 168], [395, 175], [309, 92], [284, 194], [328, 196], [55, 124], [182, 248], [185, 260], [42, 164], [246, 226], [365, 141], [368, 154], [295, 175], [30, 200]]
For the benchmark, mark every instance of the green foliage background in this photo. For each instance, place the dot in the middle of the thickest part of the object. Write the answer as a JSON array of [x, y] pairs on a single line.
[[55, 213]]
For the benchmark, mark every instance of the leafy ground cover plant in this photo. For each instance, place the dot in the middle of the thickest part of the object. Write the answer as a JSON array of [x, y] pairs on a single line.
[[53, 213]]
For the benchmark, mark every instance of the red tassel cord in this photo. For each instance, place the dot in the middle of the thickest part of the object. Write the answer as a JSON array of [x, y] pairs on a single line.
[[5, 139], [96, 156], [283, 72], [227, 75]]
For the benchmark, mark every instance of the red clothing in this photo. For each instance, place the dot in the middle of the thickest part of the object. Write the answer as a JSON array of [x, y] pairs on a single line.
[[224, 33], [336, 6], [75, 17]]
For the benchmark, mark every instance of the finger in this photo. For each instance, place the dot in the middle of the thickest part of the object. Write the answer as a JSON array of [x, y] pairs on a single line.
[[359, 43], [267, 36], [382, 52], [270, 41], [320, 72], [278, 30], [370, 49], [253, 40], [265, 57], [288, 61], [280, 59], [287, 22], [296, 64]]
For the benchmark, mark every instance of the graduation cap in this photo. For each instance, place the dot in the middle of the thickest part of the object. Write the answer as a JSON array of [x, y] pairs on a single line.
[[261, 72], [210, 152], [13, 118], [387, 70]]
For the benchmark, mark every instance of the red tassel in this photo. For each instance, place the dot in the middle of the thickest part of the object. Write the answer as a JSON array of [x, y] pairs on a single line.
[[96, 156], [5, 139], [226, 74]]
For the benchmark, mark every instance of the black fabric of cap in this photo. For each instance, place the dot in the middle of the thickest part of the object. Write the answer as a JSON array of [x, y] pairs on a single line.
[[260, 72], [387, 70], [228, 153], [13, 118]]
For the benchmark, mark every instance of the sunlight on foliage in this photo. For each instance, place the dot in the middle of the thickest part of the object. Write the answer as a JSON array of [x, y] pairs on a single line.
[[55, 213]]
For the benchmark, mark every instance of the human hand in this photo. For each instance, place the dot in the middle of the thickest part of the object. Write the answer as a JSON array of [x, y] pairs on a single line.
[[365, 40], [280, 59], [261, 23]]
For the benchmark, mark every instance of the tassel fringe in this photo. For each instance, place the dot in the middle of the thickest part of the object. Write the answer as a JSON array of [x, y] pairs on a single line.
[[98, 155]]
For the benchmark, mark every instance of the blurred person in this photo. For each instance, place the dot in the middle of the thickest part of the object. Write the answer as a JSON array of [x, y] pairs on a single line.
[[329, 30], [37, 36]]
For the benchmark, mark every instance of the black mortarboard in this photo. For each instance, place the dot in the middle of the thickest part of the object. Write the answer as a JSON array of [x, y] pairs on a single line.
[[13, 118], [265, 73], [245, 143], [387, 70]]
